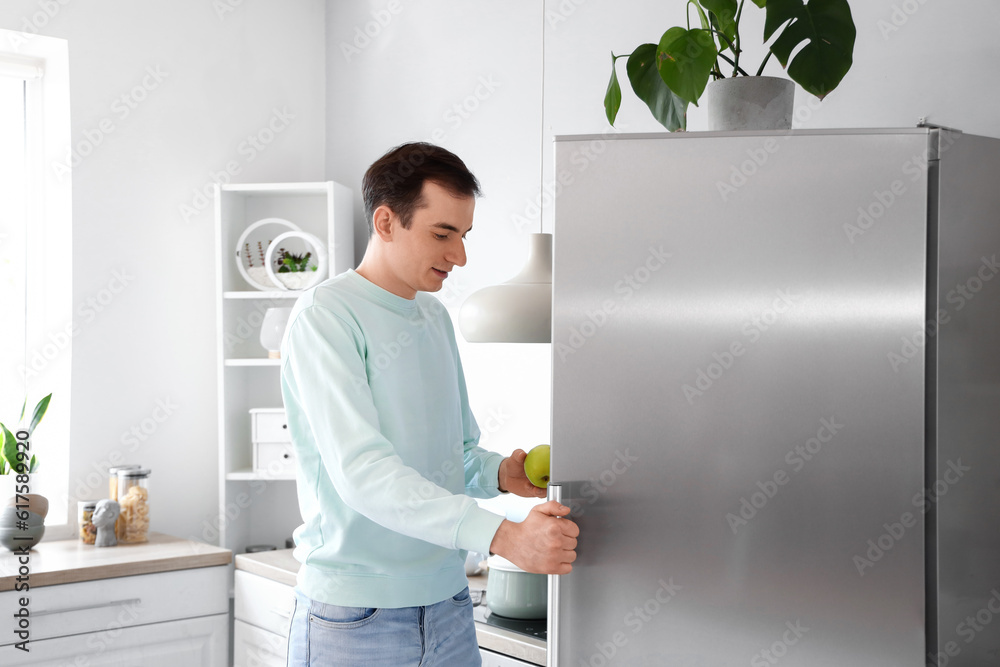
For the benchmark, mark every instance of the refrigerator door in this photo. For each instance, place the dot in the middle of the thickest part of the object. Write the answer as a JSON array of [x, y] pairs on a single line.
[[738, 398]]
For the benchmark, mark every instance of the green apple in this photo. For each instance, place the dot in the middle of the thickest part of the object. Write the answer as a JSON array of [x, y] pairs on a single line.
[[536, 466]]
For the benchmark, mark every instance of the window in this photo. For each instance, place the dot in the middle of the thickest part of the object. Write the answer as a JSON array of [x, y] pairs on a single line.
[[36, 255]]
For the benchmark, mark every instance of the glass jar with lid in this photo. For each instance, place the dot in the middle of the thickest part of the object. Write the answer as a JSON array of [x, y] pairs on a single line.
[[113, 490], [133, 498], [113, 478], [85, 513]]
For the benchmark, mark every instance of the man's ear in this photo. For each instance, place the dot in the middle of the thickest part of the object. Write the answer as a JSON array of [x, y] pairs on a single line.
[[382, 220]]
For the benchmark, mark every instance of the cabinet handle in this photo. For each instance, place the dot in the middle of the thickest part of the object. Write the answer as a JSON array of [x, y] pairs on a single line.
[[67, 610], [278, 611]]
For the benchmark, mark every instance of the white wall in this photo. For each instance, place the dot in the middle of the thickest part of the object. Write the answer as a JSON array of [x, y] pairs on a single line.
[[144, 276], [913, 58]]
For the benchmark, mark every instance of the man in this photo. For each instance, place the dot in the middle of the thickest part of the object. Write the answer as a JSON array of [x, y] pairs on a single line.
[[386, 443]]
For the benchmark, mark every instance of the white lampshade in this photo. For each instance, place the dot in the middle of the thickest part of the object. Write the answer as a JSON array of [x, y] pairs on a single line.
[[517, 311]]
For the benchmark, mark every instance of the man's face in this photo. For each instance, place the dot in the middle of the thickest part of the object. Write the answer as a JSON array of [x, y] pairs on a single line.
[[422, 256]]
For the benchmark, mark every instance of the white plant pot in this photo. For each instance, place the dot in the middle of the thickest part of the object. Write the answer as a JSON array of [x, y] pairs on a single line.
[[750, 103]]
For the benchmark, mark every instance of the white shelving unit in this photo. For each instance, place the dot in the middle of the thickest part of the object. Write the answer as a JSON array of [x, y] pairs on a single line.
[[254, 507]]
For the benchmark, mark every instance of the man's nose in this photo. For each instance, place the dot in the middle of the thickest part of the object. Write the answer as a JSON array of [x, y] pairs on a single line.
[[456, 254]]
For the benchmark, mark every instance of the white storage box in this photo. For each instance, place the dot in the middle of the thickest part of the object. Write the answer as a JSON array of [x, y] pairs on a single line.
[[273, 455]]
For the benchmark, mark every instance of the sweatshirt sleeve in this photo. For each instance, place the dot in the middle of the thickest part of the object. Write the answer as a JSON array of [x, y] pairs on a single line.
[[482, 467], [326, 384]]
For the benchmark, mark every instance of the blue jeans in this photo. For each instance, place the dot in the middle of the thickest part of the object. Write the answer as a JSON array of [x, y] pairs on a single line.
[[438, 635]]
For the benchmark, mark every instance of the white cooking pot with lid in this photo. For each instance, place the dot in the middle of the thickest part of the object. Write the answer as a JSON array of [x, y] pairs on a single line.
[[514, 593]]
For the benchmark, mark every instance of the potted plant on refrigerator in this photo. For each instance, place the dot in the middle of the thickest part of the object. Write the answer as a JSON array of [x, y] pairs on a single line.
[[675, 72]]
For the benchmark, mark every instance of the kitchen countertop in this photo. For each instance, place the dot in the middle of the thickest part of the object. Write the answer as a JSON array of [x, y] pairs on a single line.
[[280, 566], [70, 561]]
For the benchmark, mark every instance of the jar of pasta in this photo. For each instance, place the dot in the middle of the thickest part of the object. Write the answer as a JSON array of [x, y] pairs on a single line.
[[113, 492], [133, 497], [88, 533]]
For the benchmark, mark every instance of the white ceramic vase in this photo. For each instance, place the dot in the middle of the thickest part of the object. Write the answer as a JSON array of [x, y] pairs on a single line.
[[272, 330]]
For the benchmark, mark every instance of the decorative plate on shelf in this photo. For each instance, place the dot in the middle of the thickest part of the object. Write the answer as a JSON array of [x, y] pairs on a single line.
[[298, 269], [252, 249]]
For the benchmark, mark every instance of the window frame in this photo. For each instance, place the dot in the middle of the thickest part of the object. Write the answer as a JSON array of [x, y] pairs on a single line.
[[44, 63]]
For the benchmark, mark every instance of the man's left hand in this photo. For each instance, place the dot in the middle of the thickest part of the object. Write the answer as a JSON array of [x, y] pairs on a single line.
[[513, 479]]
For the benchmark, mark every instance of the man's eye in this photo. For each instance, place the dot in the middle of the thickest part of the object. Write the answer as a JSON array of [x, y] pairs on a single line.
[[441, 236]]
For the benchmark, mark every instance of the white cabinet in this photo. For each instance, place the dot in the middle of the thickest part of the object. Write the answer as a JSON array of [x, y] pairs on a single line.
[[257, 503], [193, 642], [153, 620], [263, 615]]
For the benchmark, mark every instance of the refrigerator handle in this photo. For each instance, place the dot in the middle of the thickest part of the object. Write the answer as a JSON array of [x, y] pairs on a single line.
[[552, 624]]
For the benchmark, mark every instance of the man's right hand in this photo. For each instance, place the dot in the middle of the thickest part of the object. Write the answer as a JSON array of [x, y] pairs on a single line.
[[542, 543]]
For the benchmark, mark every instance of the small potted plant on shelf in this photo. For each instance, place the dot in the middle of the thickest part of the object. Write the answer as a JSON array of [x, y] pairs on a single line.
[[294, 270], [675, 72]]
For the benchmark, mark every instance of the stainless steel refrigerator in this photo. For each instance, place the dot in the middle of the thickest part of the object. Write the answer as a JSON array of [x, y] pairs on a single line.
[[776, 399]]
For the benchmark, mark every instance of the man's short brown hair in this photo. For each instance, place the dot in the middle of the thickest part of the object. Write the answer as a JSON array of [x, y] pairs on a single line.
[[397, 178]]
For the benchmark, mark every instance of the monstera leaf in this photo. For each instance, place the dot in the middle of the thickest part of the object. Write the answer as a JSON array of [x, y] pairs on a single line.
[[723, 17], [685, 59], [828, 30], [667, 108]]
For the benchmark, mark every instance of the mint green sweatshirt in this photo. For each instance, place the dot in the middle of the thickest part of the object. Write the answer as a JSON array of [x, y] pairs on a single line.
[[386, 447]]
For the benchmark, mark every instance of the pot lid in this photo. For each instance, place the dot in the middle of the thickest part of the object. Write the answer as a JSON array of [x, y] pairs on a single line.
[[501, 564]]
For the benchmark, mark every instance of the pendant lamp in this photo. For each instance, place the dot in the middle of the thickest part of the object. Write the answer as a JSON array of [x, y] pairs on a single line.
[[519, 310]]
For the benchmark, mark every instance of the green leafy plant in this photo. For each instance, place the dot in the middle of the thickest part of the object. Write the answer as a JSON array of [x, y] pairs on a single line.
[[291, 263], [672, 74], [10, 459]]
